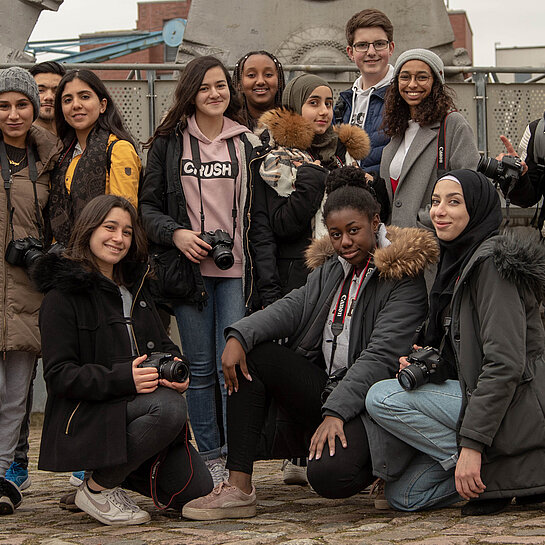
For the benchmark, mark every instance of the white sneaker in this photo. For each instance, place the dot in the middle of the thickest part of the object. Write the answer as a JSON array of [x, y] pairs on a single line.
[[293, 474], [112, 506], [217, 470]]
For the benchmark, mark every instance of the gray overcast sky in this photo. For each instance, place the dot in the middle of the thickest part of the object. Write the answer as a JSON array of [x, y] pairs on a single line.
[[512, 24]]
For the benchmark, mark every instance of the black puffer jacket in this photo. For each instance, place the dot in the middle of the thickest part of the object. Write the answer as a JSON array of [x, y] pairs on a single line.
[[87, 359], [289, 218]]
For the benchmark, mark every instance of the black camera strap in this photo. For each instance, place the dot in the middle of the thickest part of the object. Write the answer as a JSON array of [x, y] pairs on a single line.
[[341, 308], [441, 147], [196, 156], [8, 182]]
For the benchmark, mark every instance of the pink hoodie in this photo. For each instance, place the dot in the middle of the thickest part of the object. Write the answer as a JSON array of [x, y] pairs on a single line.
[[217, 188]]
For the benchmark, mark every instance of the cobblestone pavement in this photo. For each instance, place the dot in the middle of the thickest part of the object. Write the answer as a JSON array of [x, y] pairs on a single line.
[[291, 515]]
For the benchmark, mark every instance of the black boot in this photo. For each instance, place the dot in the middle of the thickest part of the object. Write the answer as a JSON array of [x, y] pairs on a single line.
[[475, 508]]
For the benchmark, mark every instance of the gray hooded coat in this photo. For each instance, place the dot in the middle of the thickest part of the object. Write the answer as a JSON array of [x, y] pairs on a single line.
[[498, 338], [393, 305]]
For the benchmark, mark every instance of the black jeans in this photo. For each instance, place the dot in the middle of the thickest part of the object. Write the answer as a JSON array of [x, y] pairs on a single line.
[[295, 385], [154, 422]]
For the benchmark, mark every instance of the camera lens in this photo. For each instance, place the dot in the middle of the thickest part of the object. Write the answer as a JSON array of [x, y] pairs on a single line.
[[411, 377], [31, 256], [488, 166], [174, 371], [223, 257]]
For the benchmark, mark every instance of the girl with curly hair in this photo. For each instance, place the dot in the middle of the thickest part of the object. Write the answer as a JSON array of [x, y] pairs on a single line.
[[418, 104]]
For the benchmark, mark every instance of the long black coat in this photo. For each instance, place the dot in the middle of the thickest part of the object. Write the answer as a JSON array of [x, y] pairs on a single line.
[[88, 363]]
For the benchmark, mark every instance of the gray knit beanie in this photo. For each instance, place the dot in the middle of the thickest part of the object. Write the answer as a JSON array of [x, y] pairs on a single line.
[[425, 55], [20, 80]]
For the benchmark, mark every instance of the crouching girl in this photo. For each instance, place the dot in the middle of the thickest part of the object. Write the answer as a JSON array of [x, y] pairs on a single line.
[[479, 435], [104, 412]]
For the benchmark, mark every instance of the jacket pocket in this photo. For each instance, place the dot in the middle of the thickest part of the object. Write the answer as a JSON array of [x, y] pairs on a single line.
[[523, 426], [174, 277]]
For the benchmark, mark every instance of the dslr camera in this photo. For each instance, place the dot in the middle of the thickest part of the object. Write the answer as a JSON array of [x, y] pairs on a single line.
[[332, 382], [167, 367], [505, 172], [426, 365], [23, 252], [222, 248]]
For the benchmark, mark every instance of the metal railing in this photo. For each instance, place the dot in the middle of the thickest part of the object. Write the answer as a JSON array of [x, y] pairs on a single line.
[[492, 108]]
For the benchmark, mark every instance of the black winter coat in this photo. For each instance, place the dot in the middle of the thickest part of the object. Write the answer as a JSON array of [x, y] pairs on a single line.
[[87, 360], [531, 187], [281, 266], [163, 209]]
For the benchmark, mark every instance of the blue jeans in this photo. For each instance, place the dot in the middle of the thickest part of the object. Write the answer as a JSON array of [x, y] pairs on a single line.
[[426, 419], [201, 333]]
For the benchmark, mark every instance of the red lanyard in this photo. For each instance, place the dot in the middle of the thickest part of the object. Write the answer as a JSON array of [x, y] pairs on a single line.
[[342, 303]]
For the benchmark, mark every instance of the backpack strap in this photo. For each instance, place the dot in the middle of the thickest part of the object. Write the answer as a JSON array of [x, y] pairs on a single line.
[[109, 151], [441, 147], [539, 145]]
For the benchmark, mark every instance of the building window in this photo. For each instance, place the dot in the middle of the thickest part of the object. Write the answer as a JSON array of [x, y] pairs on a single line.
[[170, 53]]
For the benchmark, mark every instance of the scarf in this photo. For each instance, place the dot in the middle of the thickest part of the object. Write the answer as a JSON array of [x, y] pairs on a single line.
[[485, 217], [88, 182]]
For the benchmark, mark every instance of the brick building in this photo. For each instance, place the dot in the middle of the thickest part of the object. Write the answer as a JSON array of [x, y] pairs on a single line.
[[151, 16], [463, 35]]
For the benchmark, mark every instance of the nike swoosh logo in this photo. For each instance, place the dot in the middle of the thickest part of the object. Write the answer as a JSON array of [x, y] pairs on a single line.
[[102, 507]]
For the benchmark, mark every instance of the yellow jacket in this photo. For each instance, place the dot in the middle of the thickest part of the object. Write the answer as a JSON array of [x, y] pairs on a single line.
[[124, 174]]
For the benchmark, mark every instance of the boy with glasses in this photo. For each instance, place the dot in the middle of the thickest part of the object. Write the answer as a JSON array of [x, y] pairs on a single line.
[[369, 34]]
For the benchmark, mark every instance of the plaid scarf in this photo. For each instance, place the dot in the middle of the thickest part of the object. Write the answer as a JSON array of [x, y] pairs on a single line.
[[88, 182]]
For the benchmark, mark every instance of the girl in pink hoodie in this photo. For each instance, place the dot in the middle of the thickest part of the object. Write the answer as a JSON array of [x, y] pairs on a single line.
[[195, 206]]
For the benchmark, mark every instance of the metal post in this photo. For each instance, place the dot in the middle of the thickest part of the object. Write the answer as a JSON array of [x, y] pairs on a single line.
[[480, 80], [150, 74]]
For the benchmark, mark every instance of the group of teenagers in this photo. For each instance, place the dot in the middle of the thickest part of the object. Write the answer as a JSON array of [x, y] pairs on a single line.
[[305, 249]]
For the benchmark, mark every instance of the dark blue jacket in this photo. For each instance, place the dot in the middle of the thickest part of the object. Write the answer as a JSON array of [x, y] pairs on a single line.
[[373, 121]]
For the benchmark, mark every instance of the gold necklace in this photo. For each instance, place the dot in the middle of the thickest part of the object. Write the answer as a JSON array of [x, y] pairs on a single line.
[[15, 163]]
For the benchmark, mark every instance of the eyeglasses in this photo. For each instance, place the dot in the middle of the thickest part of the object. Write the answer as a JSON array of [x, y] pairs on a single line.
[[379, 45], [420, 78]]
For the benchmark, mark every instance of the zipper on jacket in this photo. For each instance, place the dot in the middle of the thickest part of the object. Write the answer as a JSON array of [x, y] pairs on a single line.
[[71, 417], [132, 308], [247, 237]]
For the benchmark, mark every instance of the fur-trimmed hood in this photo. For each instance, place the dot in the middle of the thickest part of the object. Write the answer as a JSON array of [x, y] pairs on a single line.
[[410, 252], [520, 261], [289, 129], [54, 272]]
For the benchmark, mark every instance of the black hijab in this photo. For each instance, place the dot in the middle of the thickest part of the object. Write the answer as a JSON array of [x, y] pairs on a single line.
[[485, 217]]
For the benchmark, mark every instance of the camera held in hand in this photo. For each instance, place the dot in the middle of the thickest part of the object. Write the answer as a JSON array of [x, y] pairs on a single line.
[[222, 248], [426, 365], [505, 172], [23, 252], [167, 367]]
